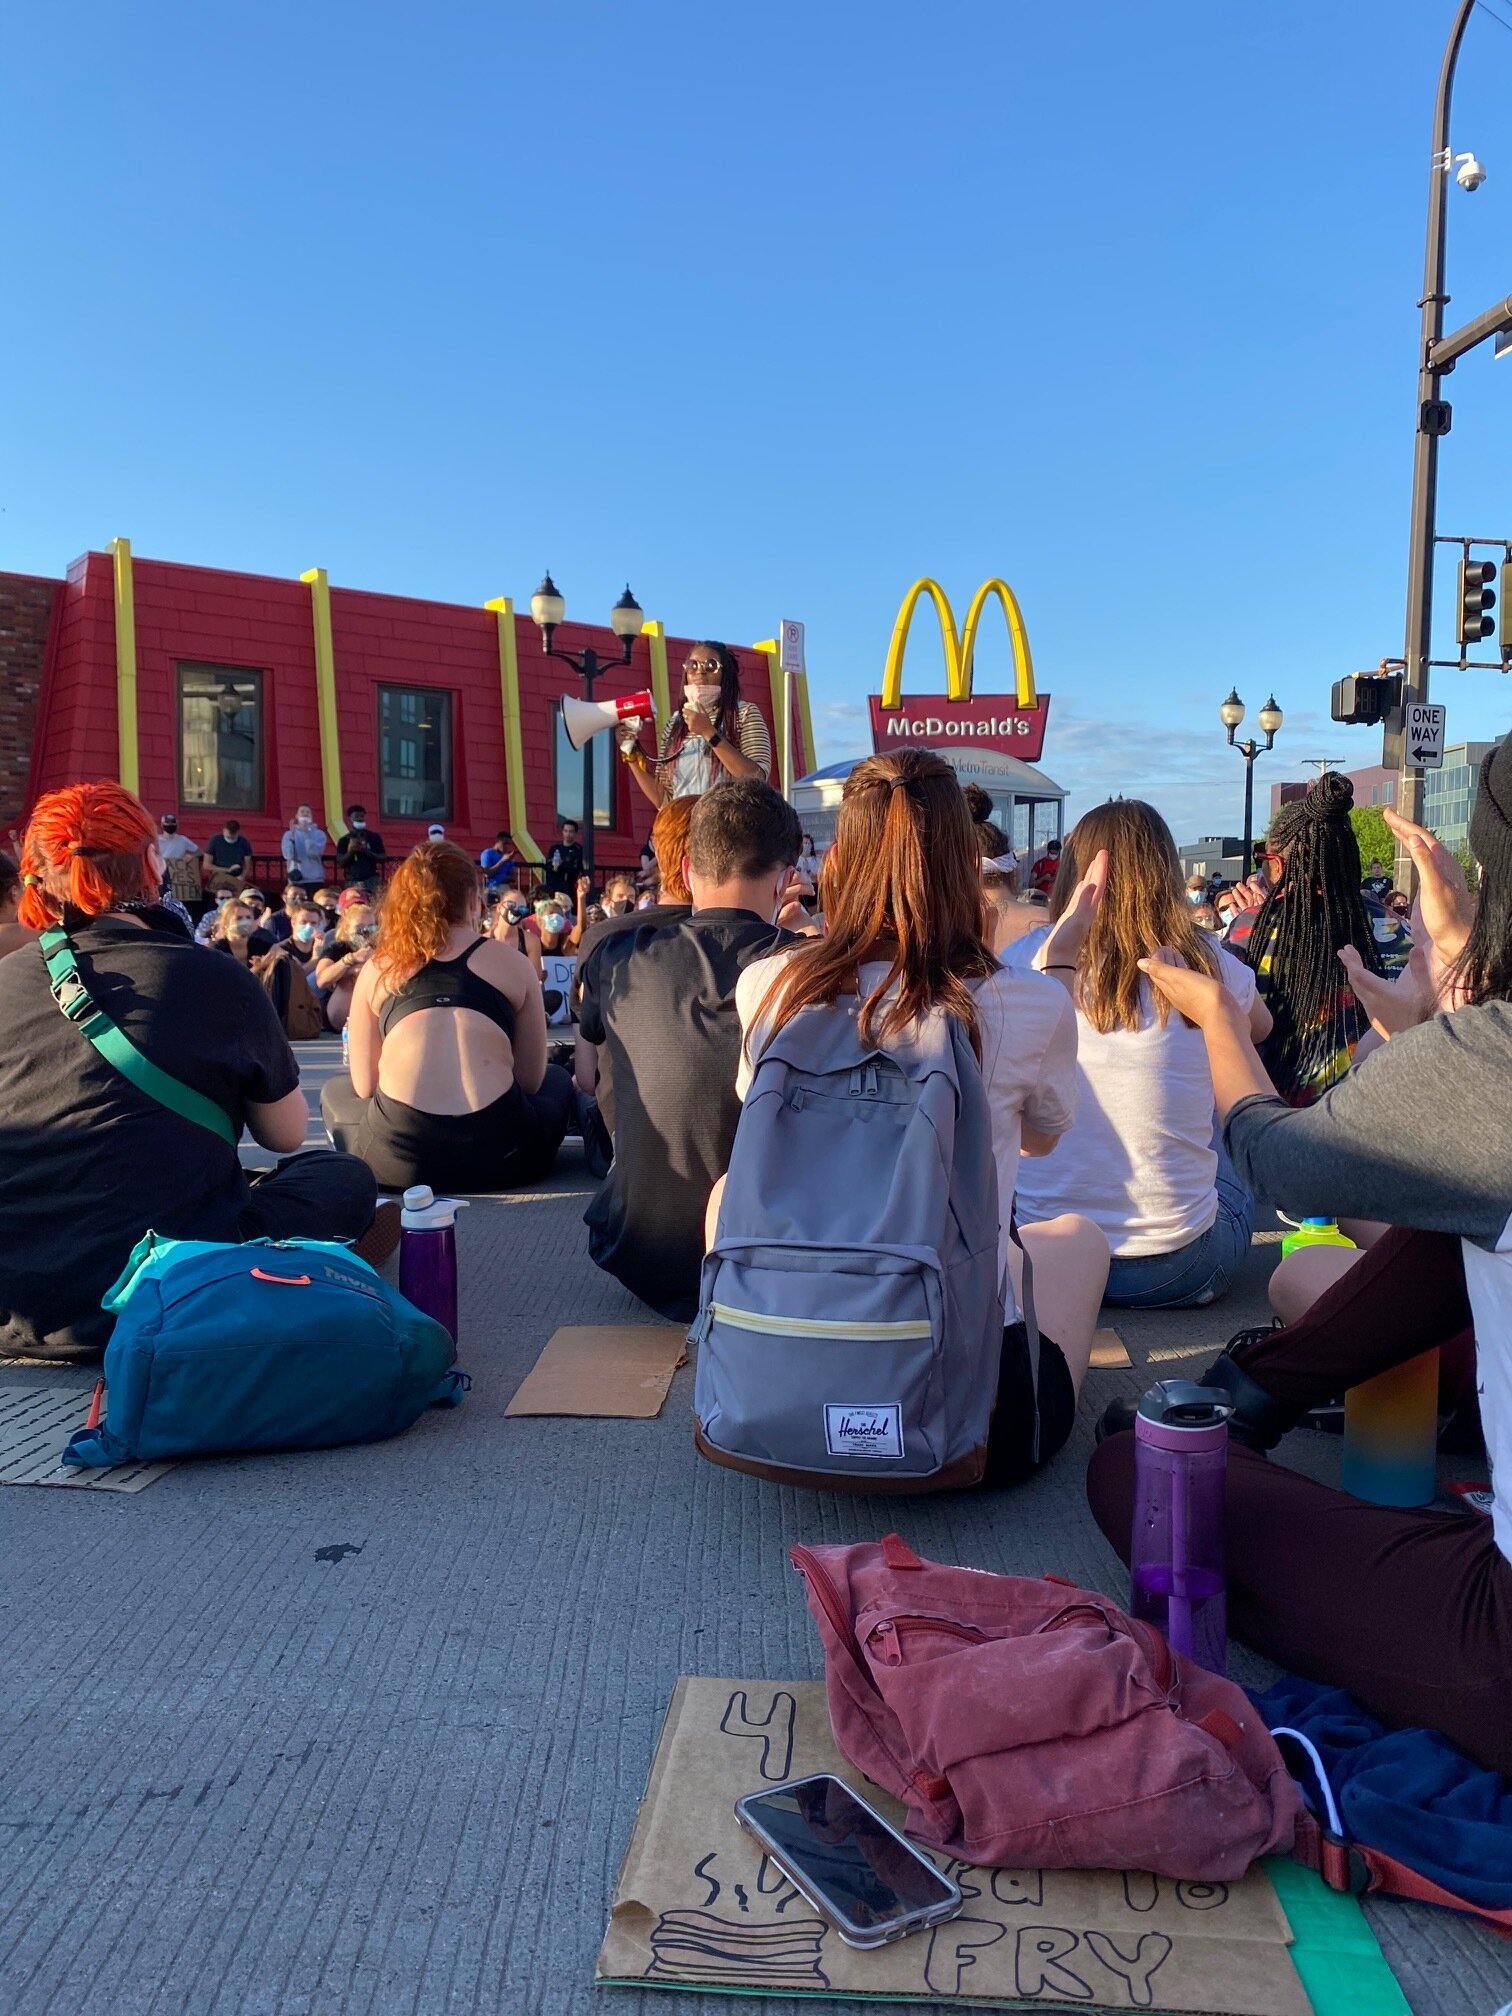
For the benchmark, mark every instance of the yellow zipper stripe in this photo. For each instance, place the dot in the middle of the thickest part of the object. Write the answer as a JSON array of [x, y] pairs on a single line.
[[816, 1326]]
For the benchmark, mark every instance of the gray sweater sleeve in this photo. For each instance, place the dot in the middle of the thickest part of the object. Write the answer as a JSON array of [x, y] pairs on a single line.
[[1419, 1135]]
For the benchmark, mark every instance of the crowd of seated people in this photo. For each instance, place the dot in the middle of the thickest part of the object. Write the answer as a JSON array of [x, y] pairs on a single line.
[[1157, 1065]]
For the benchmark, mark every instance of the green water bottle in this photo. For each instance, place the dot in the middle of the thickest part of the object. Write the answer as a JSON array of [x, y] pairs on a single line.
[[1314, 1232]]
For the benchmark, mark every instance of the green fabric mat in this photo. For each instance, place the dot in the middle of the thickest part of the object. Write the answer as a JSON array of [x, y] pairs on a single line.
[[1335, 1952]]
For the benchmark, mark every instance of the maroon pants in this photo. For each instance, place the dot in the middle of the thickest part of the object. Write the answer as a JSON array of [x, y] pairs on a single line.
[[1410, 1611]]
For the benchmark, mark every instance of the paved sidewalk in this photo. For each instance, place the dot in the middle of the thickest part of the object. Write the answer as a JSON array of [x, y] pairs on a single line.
[[365, 1730]]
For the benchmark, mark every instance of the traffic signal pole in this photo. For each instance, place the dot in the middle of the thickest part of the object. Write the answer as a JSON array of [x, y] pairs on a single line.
[[1432, 425]]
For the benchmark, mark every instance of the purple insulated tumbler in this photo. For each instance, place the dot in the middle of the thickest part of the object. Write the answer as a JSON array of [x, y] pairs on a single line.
[[1176, 1550], [428, 1254]]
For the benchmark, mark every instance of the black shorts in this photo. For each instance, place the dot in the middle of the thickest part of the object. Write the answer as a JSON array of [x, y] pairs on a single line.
[[1010, 1442]]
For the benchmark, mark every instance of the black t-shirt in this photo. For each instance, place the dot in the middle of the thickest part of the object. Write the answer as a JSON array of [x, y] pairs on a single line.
[[87, 1162], [661, 997], [229, 854], [654, 913], [1379, 886], [359, 854], [563, 867]]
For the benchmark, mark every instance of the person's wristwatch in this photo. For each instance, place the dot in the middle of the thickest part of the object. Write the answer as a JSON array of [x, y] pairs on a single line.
[[715, 739]]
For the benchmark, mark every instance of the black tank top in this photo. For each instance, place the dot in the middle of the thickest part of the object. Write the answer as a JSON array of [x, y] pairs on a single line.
[[449, 983]]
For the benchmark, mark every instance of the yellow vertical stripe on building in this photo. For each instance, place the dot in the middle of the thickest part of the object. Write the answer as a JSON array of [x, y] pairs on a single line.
[[809, 759], [661, 685], [325, 700], [777, 686], [514, 744], [128, 762]]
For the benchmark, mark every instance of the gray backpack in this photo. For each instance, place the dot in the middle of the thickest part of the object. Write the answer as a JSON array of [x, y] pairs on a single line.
[[850, 1321]]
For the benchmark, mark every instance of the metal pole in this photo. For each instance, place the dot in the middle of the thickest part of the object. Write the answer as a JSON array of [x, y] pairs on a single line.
[[590, 672], [1419, 645], [1249, 751]]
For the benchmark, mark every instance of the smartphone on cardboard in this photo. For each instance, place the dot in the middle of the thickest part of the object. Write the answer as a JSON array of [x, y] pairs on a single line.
[[849, 1863]]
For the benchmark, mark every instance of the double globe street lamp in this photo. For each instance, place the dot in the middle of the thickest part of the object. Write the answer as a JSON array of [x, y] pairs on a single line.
[[548, 607], [1231, 713]]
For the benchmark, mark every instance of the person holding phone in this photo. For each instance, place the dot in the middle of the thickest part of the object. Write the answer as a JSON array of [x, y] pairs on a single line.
[[713, 736]]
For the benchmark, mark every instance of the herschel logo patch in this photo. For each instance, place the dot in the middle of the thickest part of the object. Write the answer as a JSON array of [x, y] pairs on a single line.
[[864, 1430]]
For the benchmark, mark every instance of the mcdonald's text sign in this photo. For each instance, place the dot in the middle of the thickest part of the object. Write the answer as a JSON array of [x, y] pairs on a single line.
[[985, 721]]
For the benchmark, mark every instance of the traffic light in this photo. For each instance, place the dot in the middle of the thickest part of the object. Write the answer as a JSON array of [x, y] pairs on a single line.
[[1366, 697], [1477, 598], [1505, 640]]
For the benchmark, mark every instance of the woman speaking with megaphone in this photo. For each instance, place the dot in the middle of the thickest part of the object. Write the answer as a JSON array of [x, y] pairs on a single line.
[[713, 735]]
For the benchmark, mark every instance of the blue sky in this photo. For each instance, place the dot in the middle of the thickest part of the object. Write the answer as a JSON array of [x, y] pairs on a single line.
[[771, 310]]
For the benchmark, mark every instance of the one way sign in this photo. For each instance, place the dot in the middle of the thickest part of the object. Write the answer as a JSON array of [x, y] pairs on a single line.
[[1425, 735]]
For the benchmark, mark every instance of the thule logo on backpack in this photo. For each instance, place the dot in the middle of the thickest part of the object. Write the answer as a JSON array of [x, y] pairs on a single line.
[[864, 1430]]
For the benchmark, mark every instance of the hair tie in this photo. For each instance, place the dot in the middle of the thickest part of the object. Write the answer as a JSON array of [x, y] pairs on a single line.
[[78, 849], [898, 783], [31, 881]]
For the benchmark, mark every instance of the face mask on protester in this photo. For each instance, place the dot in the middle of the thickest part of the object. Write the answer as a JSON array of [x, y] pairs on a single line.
[[553, 921], [243, 926], [304, 933], [1194, 897], [517, 913], [704, 698], [620, 907], [305, 819], [359, 825]]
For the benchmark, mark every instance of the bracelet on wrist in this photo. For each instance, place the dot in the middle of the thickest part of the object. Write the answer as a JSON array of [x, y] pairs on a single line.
[[1058, 969]]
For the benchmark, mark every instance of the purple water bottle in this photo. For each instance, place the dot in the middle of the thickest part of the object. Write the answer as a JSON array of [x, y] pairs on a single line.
[[1176, 1550], [428, 1254]]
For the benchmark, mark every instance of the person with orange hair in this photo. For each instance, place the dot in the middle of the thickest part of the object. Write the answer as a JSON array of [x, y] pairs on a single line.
[[89, 1159], [450, 1083]]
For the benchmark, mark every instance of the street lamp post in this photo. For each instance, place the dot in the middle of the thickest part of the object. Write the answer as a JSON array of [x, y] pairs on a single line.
[[1437, 354], [1270, 717], [548, 607]]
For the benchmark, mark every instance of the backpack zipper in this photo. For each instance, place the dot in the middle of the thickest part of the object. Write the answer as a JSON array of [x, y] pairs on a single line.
[[892, 1629], [817, 1326]]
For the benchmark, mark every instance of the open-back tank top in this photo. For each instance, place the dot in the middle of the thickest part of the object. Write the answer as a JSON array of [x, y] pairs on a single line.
[[448, 983]]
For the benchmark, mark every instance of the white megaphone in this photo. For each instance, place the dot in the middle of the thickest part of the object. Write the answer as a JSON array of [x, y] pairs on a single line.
[[583, 718]]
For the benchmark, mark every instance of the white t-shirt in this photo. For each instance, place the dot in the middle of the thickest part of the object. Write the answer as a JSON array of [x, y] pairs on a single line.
[[175, 847], [1140, 1161], [1028, 1030]]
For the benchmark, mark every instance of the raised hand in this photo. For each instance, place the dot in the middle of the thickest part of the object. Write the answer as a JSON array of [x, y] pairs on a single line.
[[1201, 999], [1392, 1005], [1444, 904], [1068, 938]]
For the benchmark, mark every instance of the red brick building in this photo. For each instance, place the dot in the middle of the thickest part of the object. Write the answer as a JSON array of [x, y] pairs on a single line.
[[435, 711]]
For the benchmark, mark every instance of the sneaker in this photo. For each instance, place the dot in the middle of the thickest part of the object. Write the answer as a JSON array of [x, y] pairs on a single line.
[[382, 1236]]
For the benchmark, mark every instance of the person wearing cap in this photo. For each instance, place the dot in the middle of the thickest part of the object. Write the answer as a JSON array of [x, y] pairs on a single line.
[[304, 846], [435, 831], [183, 872], [1410, 1611]]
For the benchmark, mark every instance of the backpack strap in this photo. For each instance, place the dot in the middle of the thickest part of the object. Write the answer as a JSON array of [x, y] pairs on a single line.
[[78, 1006], [1031, 1328], [1347, 1866]]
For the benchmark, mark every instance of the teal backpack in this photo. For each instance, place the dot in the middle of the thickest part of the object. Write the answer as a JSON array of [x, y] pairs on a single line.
[[289, 1344]]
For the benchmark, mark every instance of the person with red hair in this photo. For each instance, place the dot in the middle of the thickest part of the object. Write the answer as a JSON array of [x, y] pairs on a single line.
[[450, 1083], [89, 1159]]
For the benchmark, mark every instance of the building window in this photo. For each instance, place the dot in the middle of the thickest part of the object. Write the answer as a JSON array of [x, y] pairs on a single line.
[[569, 777], [220, 737], [415, 752]]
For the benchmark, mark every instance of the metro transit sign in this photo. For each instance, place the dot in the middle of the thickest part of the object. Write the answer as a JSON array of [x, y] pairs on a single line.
[[985, 721]]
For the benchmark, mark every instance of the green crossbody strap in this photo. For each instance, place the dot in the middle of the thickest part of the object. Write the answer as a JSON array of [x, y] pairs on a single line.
[[117, 1048]]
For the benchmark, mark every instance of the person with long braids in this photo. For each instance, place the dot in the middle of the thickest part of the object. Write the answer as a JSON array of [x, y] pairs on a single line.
[[89, 1161], [1411, 1611], [714, 735], [1314, 909], [450, 1083]]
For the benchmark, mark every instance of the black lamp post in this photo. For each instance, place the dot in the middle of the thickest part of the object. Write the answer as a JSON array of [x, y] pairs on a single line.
[[548, 607], [1231, 713]]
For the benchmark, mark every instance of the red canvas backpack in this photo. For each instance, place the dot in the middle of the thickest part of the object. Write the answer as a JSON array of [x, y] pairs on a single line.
[[1033, 1725]]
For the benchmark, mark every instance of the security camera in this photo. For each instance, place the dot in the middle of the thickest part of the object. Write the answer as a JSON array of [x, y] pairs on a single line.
[[1470, 173]]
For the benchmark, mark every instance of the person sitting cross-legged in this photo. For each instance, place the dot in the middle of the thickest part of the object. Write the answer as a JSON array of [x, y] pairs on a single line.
[[450, 1083], [89, 1160], [659, 1001]]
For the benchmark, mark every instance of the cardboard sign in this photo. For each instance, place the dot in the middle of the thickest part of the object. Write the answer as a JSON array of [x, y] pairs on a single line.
[[619, 1369], [557, 969], [699, 1904]]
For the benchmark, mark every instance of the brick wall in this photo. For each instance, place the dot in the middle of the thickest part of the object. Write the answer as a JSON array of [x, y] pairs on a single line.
[[26, 611]]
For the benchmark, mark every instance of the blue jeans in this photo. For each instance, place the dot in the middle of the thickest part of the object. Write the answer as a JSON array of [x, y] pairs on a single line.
[[1197, 1273]]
